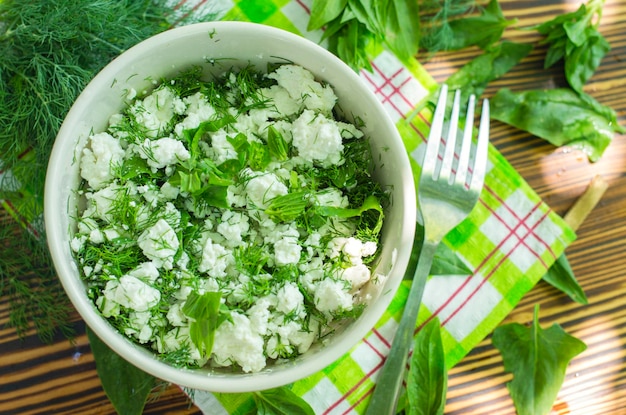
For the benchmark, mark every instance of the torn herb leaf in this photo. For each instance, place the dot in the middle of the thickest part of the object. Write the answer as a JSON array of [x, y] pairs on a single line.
[[206, 314], [561, 276], [281, 401], [561, 116], [475, 75], [574, 38], [126, 386], [354, 26], [445, 32], [427, 380], [538, 360]]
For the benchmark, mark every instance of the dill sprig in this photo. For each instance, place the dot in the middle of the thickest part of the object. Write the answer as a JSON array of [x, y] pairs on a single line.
[[50, 50], [36, 299]]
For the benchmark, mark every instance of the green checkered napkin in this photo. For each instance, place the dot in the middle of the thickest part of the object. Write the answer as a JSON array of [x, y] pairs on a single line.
[[509, 241]]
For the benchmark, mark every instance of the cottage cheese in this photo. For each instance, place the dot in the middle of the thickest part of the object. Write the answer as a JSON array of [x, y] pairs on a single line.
[[169, 213]]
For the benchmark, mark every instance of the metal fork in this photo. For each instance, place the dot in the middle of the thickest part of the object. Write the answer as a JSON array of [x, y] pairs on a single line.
[[445, 198]]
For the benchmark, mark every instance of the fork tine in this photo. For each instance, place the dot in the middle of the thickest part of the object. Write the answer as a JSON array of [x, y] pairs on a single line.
[[450, 145], [466, 145], [480, 163], [434, 136]]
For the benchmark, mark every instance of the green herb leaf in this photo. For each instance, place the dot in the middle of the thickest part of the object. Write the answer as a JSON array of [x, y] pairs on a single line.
[[581, 62], [560, 116], [126, 386], [561, 276], [355, 26], [474, 76], [286, 208], [278, 147], [459, 33], [427, 381], [281, 401], [574, 37], [323, 11], [206, 315], [258, 156], [538, 360], [348, 40], [402, 28]]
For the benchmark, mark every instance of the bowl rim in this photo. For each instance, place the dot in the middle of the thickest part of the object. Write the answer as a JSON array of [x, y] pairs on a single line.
[[142, 358]]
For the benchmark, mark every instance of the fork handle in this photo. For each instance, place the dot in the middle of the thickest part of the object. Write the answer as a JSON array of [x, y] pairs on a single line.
[[389, 380]]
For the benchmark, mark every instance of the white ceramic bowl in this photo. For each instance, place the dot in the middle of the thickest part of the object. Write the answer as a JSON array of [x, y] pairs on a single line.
[[165, 55]]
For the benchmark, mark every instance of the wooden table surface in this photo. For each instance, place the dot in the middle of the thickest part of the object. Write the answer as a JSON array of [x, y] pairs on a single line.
[[60, 377]]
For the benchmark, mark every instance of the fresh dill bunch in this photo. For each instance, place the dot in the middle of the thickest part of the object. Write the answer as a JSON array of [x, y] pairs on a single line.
[[36, 299], [50, 50]]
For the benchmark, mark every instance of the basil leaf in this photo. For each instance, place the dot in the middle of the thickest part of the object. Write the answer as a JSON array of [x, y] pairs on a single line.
[[427, 380], [481, 31], [258, 156], [278, 147], [349, 43], [402, 28], [538, 360], [561, 276], [474, 76], [281, 401], [560, 116], [126, 386], [285, 208], [574, 38], [582, 62], [204, 313], [323, 11]]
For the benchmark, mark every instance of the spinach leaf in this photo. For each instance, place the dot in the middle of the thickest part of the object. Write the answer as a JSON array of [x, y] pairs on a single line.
[[281, 401], [561, 276], [126, 386], [454, 34], [474, 76], [574, 37], [427, 381], [560, 116], [538, 359]]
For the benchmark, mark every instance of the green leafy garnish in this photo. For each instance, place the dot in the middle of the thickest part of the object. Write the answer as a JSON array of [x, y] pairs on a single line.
[[353, 25], [574, 38], [561, 276], [427, 381], [126, 386], [206, 314], [560, 116], [287, 207], [278, 147], [280, 401], [475, 75], [445, 32], [538, 360]]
